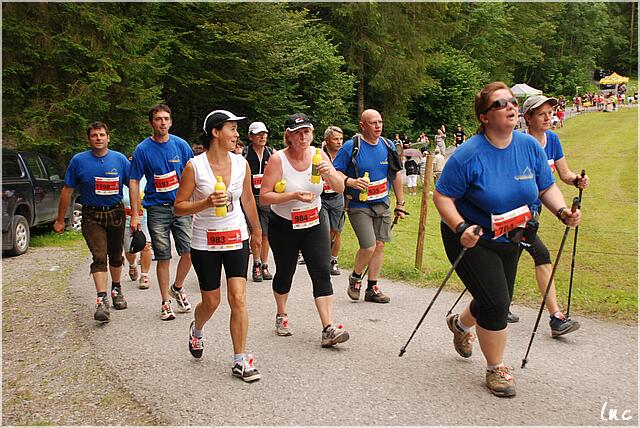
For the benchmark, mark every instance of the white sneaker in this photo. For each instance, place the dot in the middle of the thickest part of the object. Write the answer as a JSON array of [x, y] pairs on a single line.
[[143, 284]]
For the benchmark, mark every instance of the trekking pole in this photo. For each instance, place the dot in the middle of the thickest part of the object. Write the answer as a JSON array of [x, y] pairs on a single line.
[[477, 231], [574, 206], [456, 302], [396, 217], [575, 244]]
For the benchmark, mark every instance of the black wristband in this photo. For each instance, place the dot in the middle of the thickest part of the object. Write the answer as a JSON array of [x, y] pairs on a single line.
[[559, 213], [345, 182], [460, 228]]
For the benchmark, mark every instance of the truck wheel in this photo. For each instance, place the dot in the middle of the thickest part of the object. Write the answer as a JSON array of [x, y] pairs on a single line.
[[21, 236]]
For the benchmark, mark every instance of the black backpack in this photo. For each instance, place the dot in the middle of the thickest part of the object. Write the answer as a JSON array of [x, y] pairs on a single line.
[[393, 158]]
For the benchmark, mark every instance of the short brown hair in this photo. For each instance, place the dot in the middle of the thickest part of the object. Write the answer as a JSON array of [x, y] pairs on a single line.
[[156, 108], [481, 101], [97, 125]]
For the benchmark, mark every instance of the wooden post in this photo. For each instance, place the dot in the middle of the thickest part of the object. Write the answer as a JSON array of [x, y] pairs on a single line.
[[426, 187]]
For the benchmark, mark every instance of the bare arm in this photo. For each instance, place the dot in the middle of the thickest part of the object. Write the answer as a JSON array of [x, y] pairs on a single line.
[[553, 199], [452, 218], [273, 174], [399, 192], [568, 176], [183, 204], [134, 199], [330, 174], [249, 205], [63, 205]]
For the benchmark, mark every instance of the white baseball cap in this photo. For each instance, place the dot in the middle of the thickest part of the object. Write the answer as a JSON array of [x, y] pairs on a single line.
[[257, 127]]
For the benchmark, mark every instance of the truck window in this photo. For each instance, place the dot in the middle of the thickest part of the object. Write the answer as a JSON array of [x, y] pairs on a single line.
[[35, 166], [53, 170], [11, 166]]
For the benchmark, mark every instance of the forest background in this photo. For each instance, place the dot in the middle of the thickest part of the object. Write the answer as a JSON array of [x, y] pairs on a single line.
[[66, 65]]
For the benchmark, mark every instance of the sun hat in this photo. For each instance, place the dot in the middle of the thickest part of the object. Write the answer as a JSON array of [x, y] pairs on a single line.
[[536, 101]]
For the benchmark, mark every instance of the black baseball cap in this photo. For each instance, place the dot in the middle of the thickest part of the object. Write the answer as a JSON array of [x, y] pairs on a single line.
[[297, 121], [218, 117], [138, 241]]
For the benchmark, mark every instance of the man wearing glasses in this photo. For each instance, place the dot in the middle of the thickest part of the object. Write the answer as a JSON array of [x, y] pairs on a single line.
[[368, 200]]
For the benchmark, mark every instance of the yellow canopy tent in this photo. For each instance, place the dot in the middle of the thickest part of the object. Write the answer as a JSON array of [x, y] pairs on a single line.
[[613, 79]]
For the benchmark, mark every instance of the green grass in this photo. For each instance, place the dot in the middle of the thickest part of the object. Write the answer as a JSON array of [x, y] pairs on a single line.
[[44, 237], [605, 276]]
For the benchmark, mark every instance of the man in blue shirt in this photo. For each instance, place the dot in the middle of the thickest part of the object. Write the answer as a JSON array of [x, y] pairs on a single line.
[[99, 174], [370, 215], [161, 158]]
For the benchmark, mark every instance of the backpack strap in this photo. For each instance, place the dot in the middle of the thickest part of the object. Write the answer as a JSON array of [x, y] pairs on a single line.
[[354, 153]]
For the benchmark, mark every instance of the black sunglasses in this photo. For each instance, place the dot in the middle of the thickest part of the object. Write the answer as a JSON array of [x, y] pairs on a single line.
[[501, 103]]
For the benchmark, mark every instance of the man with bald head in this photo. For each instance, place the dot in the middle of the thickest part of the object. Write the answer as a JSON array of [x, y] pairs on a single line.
[[370, 214]]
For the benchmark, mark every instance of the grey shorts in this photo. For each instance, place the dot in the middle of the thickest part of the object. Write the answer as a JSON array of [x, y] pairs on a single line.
[[371, 224], [333, 209], [263, 216], [162, 222]]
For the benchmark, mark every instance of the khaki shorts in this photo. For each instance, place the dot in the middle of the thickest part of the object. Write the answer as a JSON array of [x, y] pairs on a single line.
[[371, 224]]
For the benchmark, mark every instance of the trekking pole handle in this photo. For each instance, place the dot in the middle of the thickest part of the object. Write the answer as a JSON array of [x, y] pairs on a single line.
[[576, 204]]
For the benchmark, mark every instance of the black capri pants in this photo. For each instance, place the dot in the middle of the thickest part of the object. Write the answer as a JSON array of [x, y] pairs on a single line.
[[488, 270], [538, 251], [208, 265], [285, 242]]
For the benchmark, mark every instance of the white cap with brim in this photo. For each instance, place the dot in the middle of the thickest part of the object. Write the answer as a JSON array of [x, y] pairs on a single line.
[[536, 101], [257, 127], [216, 118]]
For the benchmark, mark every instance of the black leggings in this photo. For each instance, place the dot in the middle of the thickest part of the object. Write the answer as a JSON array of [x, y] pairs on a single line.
[[285, 242], [538, 251], [208, 265], [488, 270]]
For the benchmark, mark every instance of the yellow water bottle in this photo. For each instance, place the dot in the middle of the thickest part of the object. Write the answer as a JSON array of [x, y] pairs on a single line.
[[315, 161], [221, 210], [364, 194]]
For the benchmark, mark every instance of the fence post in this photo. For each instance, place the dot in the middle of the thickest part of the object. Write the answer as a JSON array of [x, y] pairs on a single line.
[[426, 187]]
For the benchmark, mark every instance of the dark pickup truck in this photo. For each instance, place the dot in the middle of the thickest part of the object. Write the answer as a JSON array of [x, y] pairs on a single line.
[[31, 186]]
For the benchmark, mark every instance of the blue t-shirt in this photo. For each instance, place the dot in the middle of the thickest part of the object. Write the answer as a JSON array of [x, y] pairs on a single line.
[[371, 159], [553, 150], [486, 180], [162, 164], [98, 179]]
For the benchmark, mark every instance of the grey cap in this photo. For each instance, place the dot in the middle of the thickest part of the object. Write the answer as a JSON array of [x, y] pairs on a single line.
[[536, 101]]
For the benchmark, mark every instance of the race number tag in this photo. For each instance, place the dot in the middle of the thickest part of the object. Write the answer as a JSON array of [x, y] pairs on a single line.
[[326, 187], [378, 190], [302, 218], [503, 223], [166, 182], [224, 239], [552, 165], [256, 180], [107, 185]]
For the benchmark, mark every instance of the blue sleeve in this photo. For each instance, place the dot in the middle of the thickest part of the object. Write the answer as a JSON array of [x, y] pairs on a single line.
[[453, 180], [555, 140], [70, 179], [137, 168], [126, 170], [188, 153], [341, 161], [544, 176]]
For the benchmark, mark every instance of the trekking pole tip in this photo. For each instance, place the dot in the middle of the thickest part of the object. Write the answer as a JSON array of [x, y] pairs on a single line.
[[402, 351], [524, 363]]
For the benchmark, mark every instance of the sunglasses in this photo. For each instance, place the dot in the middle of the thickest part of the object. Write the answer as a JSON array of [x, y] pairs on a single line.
[[501, 103]]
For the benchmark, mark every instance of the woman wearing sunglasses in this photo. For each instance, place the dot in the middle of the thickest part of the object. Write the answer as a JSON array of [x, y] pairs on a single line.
[[538, 111], [492, 182]]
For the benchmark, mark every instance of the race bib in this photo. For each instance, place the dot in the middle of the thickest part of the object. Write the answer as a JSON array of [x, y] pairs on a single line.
[[552, 165], [378, 190], [256, 180], [224, 239], [302, 218], [107, 185], [166, 182], [326, 188], [503, 223]]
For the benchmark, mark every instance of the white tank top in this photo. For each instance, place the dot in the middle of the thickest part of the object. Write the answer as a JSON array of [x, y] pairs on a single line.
[[205, 222], [297, 181]]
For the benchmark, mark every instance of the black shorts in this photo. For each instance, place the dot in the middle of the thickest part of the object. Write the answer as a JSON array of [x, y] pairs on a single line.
[[208, 265]]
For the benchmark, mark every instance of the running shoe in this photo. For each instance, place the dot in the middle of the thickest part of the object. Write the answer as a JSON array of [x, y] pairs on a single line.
[[102, 310], [375, 295], [500, 382], [256, 272], [118, 299], [282, 326], [143, 284], [245, 370], [181, 298], [266, 275], [196, 344], [353, 290], [166, 313], [133, 272], [335, 270], [561, 325], [461, 340], [512, 318], [334, 335]]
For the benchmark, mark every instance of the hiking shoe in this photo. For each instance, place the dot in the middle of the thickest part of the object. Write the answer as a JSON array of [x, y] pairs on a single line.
[[335, 270], [196, 344], [374, 295], [257, 272], [461, 341], [334, 335], [512, 318], [266, 275], [143, 284], [166, 313], [118, 298], [500, 382], [181, 298], [353, 290], [562, 325], [102, 310], [133, 272], [282, 326], [245, 370]]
